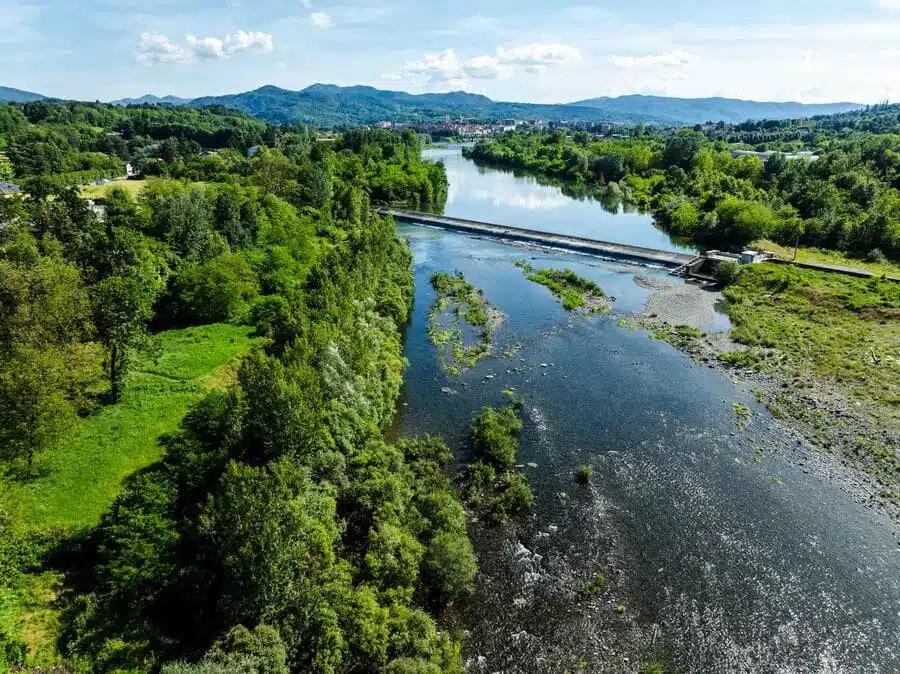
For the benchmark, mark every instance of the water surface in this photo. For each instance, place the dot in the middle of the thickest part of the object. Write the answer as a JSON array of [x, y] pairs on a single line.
[[503, 197], [723, 553]]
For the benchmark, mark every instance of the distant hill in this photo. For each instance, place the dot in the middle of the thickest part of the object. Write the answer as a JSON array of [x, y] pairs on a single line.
[[328, 105], [699, 110], [9, 95], [152, 100]]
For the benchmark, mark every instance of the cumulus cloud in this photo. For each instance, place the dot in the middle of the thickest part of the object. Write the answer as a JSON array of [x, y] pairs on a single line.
[[539, 54], [445, 67], [321, 20], [154, 48], [672, 59]]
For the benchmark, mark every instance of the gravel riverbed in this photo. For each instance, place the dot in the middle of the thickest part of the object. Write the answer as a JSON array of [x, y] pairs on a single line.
[[829, 428]]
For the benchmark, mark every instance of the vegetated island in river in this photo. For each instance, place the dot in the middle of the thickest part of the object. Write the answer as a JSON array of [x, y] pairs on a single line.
[[575, 292], [460, 310]]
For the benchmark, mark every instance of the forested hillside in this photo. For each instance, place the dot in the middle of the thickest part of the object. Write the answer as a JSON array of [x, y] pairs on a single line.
[[846, 197], [279, 531]]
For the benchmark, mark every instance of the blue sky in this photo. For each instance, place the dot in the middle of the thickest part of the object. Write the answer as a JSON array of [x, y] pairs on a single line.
[[537, 50]]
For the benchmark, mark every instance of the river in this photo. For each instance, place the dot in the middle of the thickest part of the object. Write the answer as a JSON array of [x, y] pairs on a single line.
[[721, 551]]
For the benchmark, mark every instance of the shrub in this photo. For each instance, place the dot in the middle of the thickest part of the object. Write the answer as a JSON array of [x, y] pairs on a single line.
[[584, 474], [595, 586], [728, 272], [495, 436], [515, 498]]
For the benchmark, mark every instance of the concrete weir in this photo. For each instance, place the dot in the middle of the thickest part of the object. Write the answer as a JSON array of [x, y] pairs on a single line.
[[574, 243]]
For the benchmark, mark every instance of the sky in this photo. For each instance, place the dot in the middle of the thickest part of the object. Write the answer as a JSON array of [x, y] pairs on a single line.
[[542, 51]]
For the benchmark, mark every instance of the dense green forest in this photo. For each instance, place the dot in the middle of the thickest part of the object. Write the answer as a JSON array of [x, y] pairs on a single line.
[[848, 199], [279, 531]]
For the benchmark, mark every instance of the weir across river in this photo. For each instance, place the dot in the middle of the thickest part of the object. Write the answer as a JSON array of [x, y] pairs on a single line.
[[573, 243]]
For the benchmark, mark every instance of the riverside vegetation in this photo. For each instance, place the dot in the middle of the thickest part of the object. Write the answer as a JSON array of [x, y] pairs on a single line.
[[193, 391], [848, 200]]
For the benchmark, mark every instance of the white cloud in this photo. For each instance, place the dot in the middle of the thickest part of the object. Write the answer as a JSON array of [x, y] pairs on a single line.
[[445, 67], [437, 67], [306, 3], [482, 67], [321, 20], [154, 48], [673, 59], [539, 53], [890, 4]]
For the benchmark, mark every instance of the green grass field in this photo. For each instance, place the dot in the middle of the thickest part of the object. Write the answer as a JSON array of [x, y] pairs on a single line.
[[98, 191], [832, 257], [78, 480], [842, 329]]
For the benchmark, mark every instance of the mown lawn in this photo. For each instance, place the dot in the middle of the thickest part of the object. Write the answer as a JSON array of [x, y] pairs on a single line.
[[134, 187], [78, 480]]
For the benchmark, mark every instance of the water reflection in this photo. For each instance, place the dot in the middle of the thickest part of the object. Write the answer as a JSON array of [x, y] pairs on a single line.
[[514, 198]]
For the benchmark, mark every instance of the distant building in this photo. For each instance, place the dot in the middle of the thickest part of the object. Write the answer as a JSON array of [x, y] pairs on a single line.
[[386, 124], [766, 156], [253, 151], [9, 188]]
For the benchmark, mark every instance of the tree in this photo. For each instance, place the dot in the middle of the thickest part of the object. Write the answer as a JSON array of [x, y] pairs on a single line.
[[449, 564], [219, 289], [122, 308], [681, 148], [6, 168], [34, 410]]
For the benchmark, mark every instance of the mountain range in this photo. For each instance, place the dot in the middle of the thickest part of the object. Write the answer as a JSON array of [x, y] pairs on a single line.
[[328, 105], [10, 95], [150, 99]]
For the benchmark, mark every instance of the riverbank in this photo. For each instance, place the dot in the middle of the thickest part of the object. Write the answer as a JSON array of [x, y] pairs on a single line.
[[839, 435]]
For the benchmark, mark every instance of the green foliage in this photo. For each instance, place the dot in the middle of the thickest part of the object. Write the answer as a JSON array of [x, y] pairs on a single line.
[[834, 327], [274, 504], [495, 436], [459, 302], [514, 497], [846, 200], [80, 475], [584, 474], [651, 668], [574, 291], [728, 272], [595, 585], [122, 309], [220, 289]]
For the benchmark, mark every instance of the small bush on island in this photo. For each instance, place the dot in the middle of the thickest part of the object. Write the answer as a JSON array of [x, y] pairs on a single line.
[[584, 474], [595, 585], [495, 436]]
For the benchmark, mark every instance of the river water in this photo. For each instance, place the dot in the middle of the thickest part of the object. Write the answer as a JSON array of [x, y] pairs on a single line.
[[721, 552]]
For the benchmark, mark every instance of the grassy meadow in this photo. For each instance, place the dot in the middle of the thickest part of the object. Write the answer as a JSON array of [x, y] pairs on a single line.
[[78, 480]]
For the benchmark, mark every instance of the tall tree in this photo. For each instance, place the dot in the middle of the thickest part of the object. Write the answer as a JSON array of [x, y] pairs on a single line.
[[122, 309]]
